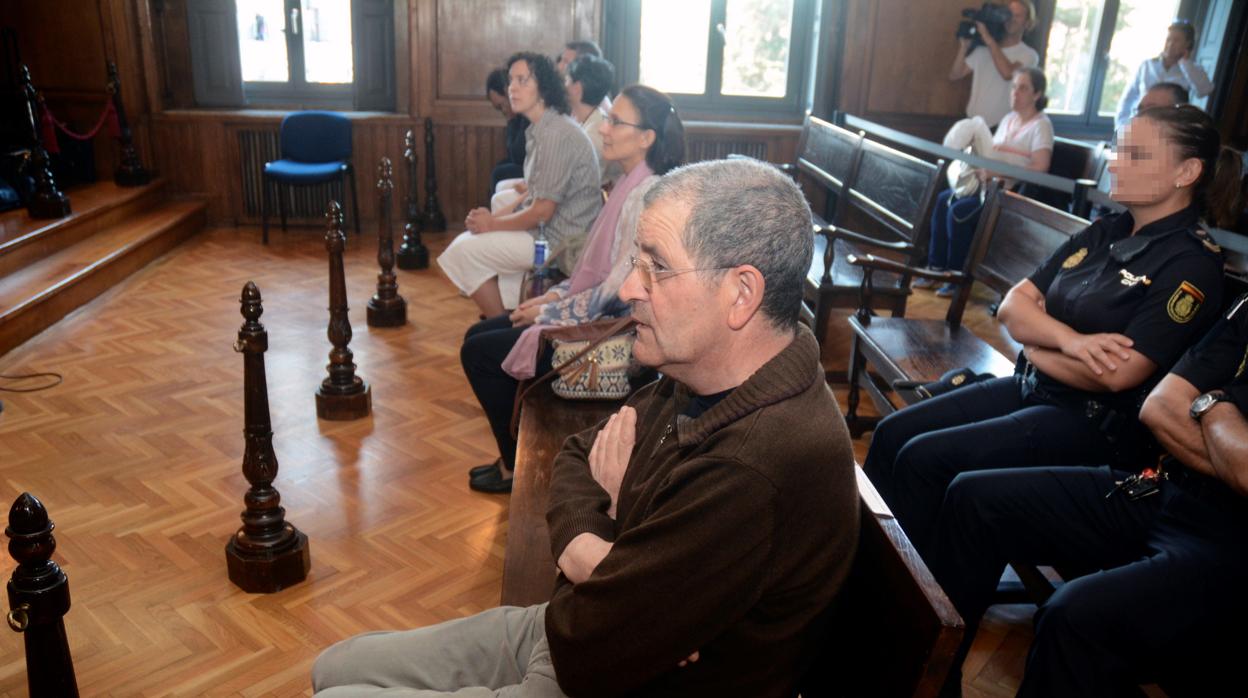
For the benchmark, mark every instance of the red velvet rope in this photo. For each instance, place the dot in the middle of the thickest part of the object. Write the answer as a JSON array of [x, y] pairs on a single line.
[[50, 124]]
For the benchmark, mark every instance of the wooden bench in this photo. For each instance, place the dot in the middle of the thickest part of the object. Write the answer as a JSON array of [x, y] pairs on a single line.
[[1015, 235], [885, 207], [1072, 159], [546, 420], [878, 199], [892, 631]]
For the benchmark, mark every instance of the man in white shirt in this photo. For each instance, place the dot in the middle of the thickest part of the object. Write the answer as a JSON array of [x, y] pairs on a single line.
[[1174, 65], [992, 65]]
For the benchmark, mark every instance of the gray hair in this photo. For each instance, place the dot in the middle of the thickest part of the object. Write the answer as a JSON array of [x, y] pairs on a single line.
[[743, 211]]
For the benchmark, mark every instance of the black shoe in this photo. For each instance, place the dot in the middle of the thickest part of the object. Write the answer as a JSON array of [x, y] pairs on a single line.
[[484, 469], [491, 483]]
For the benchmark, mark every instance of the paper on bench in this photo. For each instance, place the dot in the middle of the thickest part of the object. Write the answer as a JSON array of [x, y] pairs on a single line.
[[870, 496]]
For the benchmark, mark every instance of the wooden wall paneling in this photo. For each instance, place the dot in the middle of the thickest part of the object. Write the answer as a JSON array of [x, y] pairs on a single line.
[[62, 43], [173, 51], [909, 59]]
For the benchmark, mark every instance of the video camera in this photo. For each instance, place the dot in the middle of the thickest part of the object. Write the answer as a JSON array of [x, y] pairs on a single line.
[[994, 16]]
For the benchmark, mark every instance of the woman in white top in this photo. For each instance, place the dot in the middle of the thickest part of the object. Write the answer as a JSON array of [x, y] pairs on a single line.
[[1024, 138], [1174, 65]]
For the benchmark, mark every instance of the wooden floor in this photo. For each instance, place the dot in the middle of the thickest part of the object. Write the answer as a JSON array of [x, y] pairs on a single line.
[[137, 457]]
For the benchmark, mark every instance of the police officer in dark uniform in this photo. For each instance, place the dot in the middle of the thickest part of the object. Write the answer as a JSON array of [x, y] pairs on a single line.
[[1101, 321], [1169, 605]]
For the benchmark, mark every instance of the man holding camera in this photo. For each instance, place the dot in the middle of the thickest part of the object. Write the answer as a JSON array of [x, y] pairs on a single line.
[[992, 65]]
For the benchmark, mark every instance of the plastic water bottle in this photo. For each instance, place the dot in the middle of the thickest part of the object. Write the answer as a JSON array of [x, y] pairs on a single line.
[[539, 273]]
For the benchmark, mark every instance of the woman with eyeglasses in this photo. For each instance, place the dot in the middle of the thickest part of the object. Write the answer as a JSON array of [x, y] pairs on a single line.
[[487, 262], [1100, 323], [644, 135]]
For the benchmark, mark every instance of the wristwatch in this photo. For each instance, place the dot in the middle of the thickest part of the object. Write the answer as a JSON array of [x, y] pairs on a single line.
[[1204, 403]]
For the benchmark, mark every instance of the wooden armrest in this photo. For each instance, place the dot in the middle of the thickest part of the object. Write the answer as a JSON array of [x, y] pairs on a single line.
[[833, 233], [870, 261]]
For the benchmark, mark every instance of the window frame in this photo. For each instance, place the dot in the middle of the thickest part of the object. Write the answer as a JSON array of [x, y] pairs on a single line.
[[296, 90], [624, 46], [1089, 123], [216, 71]]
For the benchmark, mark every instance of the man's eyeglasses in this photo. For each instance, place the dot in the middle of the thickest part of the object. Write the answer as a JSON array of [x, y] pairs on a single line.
[[616, 121], [651, 275]]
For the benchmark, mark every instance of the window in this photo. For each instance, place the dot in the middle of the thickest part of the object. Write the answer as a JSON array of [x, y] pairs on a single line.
[[1095, 47], [722, 57], [334, 54], [295, 50]]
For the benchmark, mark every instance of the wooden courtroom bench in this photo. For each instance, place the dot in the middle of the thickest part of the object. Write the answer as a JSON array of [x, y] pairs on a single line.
[[884, 208], [1015, 235], [892, 631], [546, 420], [879, 199]]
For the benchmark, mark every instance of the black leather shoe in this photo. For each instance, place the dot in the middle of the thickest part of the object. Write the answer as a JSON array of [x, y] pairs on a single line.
[[484, 469], [491, 483]]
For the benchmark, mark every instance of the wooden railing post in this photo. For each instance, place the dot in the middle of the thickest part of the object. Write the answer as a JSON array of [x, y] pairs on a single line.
[[435, 222], [412, 253], [343, 395], [130, 173], [47, 201], [39, 600], [268, 553], [386, 308]]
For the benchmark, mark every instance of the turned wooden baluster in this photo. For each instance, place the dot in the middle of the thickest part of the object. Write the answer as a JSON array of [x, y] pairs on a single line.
[[39, 600], [387, 308], [412, 253], [131, 172], [268, 553], [435, 222], [343, 395], [47, 201]]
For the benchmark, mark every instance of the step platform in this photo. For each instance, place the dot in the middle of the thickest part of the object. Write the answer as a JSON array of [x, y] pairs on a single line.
[[50, 267]]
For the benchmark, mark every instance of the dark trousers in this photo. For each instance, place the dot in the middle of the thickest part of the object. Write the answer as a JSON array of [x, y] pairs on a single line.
[[917, 451], [953, 227], [1168, 606], [505, 170], [485, 346]]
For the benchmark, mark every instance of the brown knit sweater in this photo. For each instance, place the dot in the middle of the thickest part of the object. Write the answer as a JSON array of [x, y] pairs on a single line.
[[732, 535]]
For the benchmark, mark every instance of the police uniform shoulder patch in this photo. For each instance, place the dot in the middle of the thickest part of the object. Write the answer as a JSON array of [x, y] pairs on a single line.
[[1184, 303], [1075, 259]]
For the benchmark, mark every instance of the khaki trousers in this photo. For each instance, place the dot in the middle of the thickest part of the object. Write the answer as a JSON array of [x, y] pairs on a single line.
[[500, 652]]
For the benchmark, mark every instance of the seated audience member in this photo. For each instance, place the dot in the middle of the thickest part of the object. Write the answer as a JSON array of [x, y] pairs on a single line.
[[1163, 94], [992, 65], [645, 137], [574, 50], [581, 49], [1175, 65], [561, 188], [589, 80], [1164, 601], [1101, 321], [512, 165], [698, 535], [1025, 139]]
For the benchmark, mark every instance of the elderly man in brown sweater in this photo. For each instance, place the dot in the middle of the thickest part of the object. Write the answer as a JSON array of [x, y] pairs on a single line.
[[702, 530]]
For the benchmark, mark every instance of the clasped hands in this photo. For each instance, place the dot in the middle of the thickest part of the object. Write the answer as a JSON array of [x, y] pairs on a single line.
[[526, 313]]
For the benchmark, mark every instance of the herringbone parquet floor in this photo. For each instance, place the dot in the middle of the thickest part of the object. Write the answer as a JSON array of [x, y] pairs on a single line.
[[137, 457]]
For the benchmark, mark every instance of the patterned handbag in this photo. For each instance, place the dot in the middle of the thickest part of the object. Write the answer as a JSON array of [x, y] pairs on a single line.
[[597, 372], [591, 362]]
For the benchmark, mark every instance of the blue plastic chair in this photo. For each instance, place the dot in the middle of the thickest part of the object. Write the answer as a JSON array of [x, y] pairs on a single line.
[[316, 148]]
